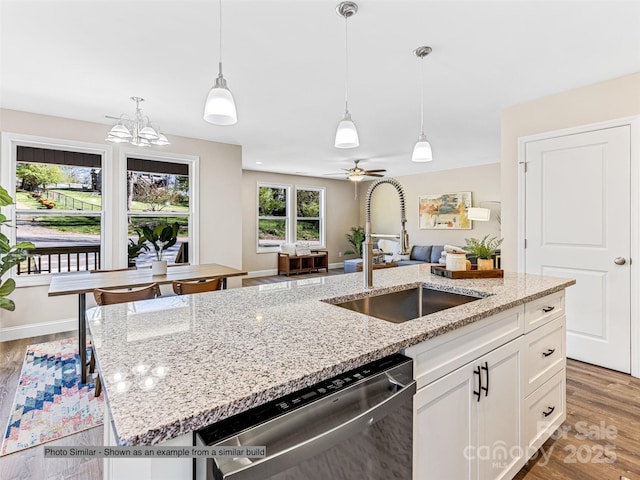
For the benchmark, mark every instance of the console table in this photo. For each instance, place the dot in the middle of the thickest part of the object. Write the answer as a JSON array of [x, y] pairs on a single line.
[[314, 262]]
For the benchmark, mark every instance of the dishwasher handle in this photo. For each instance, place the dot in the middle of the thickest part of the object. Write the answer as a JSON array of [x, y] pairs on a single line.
[[271, 465]]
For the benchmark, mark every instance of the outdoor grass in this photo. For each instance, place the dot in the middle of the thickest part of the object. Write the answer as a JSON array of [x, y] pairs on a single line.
[[25, 200], [83, 225]]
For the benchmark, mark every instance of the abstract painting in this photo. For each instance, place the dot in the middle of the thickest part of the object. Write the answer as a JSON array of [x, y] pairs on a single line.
[[445, 211]]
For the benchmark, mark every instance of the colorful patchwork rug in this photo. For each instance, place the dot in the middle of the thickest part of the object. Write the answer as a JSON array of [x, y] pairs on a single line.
[[50, 403]]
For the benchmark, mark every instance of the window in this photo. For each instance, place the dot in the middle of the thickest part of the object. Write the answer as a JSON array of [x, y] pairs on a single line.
[[278, 223], [273, 216], [159, 191], [310, 215], [58, 194]]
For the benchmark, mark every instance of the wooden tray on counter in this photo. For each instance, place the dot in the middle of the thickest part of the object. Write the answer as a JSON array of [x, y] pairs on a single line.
[[473, 273]]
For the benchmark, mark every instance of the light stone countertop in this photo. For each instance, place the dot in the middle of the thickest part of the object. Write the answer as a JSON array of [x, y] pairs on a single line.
[[178, 364]]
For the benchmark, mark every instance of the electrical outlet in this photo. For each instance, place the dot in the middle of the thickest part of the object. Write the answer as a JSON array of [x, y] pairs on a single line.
[[339, 254]]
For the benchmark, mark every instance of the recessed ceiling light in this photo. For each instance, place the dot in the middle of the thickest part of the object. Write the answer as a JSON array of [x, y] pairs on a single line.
[[258, 163]]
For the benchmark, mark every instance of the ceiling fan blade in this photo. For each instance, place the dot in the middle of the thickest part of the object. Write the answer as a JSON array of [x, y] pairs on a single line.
[[335, 173], [377, 170], [373, 175]]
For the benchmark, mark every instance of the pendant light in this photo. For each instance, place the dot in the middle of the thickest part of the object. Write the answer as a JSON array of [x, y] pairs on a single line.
[[136, 130], [220, 109], [346, 134], [422, 148]]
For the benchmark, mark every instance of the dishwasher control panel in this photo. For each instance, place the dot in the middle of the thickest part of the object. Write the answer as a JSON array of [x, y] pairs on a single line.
[[250, 418]]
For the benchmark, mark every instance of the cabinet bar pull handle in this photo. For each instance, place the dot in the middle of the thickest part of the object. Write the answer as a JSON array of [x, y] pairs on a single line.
[[548, 352], [547, 309], [477, 372], [549, 411], [486, 389]]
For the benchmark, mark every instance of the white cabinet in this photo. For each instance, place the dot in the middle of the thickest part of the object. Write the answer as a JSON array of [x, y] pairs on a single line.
[[465, 422], [489, 394]]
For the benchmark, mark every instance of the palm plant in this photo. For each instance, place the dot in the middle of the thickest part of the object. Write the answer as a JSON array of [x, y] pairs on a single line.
[[483, 249], [10, 255], [355, 238]]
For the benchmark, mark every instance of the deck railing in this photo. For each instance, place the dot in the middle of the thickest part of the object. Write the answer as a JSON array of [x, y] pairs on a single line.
[[72, 258]]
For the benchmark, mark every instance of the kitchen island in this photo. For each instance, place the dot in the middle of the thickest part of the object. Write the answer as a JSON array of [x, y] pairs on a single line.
[[174, 365]]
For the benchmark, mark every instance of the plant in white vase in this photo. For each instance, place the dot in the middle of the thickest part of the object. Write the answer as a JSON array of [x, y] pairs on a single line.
[[162, 237]]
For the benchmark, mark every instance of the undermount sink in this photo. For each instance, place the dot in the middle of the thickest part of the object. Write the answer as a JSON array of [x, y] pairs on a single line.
[[403, 305]]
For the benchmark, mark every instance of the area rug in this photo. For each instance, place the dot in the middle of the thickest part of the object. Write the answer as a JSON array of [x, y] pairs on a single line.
[[50, 401]]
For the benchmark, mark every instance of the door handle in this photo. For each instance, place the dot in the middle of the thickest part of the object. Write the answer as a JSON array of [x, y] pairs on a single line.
[[486, 389], [620, 260], [479, 392]]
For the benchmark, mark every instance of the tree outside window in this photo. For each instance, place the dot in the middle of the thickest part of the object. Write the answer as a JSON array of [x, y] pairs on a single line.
[[273, 217], [309, 215]]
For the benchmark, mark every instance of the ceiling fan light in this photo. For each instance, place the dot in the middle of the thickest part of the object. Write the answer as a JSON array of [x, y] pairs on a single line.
[[148, 133], [356, 178], [422, 150], [220, 109], [120, 131], [347, 134]]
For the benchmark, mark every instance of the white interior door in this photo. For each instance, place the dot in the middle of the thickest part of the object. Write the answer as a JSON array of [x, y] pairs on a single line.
[[577, 224]]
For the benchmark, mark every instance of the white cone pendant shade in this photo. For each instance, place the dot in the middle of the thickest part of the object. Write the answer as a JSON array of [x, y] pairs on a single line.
[[422, 150], [220, 109], [347, 134], [120, 131]]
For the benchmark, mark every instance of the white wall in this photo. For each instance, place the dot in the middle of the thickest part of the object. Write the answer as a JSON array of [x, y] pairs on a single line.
[[341, 214], [616, 98], [220, 186], [483, 182]]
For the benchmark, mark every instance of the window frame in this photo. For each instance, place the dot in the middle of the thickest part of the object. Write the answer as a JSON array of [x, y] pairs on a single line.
[[194, 212], [322, 218], [288, 206], [10, 144]]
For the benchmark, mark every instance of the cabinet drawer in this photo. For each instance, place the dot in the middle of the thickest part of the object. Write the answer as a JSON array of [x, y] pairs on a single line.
[[544, 411], [544, 353], [540, 311], [443, 354]]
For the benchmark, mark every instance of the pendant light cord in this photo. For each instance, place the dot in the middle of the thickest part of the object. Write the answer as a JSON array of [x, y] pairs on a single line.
[[422, 96], [220, 32], [346, 64]]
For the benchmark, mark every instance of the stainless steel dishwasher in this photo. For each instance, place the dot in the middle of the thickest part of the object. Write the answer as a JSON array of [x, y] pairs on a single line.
[[357, 425]]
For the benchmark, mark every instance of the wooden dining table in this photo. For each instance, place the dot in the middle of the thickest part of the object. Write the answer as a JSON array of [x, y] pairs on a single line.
[[81, 283]]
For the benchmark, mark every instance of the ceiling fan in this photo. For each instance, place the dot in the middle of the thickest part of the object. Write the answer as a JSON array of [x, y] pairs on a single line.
[[357, 174]]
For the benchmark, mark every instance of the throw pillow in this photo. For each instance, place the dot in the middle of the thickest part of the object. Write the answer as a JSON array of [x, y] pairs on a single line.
[[436, 252]]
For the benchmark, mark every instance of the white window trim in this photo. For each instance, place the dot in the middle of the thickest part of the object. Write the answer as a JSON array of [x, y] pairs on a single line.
[[10, 143], [323, 192], [288, 237], [194, 204]]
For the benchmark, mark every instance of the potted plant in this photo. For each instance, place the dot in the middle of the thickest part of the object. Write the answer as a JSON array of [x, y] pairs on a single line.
[[355, 238], [134, 249], [9, 257], [484, 250], [162, 237]]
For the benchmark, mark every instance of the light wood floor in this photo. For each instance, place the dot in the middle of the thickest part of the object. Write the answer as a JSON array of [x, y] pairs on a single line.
[[253, 281], [598, 401]]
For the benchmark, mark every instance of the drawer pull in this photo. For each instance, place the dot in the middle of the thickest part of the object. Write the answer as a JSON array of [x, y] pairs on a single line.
[[486, 389], [548, 352], [549, 411], [547, 309]]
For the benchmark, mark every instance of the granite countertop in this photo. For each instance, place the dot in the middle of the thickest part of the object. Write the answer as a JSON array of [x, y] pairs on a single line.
[[177, 364]]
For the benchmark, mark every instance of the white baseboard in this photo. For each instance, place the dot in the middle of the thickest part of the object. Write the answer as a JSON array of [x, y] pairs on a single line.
[[336, 265], [36, 329]]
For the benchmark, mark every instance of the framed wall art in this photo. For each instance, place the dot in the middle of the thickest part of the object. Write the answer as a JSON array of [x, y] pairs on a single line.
[[445, 211]]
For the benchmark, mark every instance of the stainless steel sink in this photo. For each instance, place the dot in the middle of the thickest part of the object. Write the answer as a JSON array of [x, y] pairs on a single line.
[[398, 307]]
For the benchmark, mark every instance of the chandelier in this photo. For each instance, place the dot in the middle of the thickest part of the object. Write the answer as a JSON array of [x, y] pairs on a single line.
[[137, 130]]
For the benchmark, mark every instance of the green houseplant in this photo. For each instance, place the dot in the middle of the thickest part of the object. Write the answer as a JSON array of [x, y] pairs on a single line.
[[134, 249], [355, 239], [10, 255], [483, 249], [162, 237]]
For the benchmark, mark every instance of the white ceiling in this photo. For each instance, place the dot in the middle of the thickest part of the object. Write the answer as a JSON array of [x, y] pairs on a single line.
[[284, 63]]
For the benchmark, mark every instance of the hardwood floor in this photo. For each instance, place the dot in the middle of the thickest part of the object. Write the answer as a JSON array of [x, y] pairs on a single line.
[[600, 440], [253, 281], [30, 464]]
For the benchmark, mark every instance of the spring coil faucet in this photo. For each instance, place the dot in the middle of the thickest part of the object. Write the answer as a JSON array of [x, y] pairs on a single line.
[[368, 244]]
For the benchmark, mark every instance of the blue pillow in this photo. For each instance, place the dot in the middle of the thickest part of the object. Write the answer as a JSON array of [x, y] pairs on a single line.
[[421, 253], [436, 253]]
